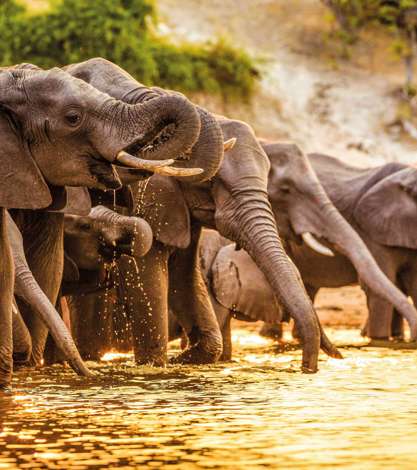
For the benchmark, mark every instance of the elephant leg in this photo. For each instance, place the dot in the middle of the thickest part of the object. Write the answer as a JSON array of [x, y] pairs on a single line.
[[380, 317], [6, 298], [227, 340], [22, 341], [91, 324], [224, 319], [190, 300], [43, 243], [145, 291], [409, 287]]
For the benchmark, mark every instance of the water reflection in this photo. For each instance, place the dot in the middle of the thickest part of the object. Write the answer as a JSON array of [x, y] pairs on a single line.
[[254, 412]]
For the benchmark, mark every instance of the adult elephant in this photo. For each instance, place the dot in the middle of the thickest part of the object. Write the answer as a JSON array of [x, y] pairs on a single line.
[[234, 200], [302, 208], [351, 191], [55, 131], [380, 203]]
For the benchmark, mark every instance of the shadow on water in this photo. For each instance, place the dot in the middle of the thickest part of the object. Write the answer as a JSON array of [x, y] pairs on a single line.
[[255, 412]]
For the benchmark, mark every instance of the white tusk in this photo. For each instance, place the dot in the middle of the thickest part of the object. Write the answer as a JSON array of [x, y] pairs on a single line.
[[175, 171], [161, 167], [140, 164], [229, 144], [316, 245]]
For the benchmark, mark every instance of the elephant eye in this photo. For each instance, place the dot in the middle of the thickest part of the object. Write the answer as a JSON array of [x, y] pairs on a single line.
[[73, 118], [85, 226], [285, 189]]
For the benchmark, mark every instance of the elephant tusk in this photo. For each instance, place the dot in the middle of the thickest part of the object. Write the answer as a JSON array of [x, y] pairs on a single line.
[[139, 163], [175, 171], [229, 144], [161, 167], [315, 244]]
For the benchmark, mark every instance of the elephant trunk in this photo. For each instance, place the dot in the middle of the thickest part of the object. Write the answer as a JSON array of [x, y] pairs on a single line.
[[252, 225], [352, 246], [137, 230], [28, 289], [207, 152]]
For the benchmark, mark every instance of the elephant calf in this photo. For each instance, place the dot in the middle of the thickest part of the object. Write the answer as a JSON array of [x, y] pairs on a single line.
[[92, 243]]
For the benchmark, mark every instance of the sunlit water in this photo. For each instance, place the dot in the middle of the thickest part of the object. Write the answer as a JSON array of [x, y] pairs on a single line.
[[256, 412]]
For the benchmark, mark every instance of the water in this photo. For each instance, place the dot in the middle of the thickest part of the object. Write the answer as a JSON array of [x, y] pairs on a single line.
[[255, 412]]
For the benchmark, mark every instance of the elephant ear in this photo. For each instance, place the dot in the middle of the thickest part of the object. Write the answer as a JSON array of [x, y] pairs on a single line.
[[22, 185], [240, 286], [70, 200], [160, 201], [388, 210]]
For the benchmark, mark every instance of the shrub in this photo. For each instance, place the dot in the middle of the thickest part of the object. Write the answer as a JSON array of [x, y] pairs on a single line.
[[122, 31]]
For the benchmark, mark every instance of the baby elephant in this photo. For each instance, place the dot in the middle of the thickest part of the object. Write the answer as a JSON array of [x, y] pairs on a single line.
[[91, 245], [93, 241], [237, 288]]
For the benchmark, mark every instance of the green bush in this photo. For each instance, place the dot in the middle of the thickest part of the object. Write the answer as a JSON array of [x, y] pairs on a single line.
[[122, 31]]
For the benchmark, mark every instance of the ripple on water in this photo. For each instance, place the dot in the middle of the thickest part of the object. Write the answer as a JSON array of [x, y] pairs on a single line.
[[254, 412]]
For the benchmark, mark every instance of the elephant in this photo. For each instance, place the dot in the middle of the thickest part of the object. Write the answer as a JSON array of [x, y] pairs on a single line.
[[58, 132], [92, 244], [233, 199], [380, 204], [300, 204]]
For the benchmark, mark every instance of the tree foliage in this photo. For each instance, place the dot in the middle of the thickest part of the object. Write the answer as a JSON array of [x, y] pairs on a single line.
[[398, 17], [122, 31]]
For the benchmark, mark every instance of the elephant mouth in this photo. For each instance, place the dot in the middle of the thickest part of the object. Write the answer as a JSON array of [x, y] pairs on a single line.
[[123, 246], [152, 140]]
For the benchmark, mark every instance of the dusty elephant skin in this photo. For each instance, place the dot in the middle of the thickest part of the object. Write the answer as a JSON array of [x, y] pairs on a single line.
[[56, 131], [235, 202]]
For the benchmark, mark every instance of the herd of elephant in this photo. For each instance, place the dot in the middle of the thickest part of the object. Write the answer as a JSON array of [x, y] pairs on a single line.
[[107, 189]]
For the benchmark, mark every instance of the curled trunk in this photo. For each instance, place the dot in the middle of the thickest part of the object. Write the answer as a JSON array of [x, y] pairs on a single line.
[[174, 124], [137, 229]]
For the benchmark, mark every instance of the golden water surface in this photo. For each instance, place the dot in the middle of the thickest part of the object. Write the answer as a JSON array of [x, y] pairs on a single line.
[[256, 412]]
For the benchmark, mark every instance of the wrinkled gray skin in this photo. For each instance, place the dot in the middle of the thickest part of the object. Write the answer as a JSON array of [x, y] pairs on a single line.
[[380, 203], [235, 202], [58, 130]]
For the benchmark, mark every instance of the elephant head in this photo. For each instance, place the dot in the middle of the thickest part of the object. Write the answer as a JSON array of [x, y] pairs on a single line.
[[104, 235], [173, 138], [304, 211], [58, 130]]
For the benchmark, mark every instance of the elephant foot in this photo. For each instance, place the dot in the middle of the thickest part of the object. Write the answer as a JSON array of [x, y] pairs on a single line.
[[272, 331], [154, 362], [198, 354], [225, 358]]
